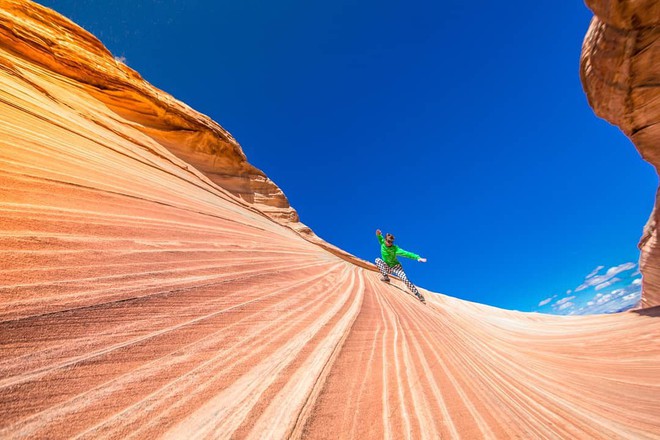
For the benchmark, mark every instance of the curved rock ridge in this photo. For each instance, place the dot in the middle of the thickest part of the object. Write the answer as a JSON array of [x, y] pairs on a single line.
[[140, 299], [620, 71], [45, 38], [48, 39]]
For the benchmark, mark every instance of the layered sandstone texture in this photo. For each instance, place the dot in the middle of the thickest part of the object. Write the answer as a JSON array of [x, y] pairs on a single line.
[[152, 286], [620, 70]]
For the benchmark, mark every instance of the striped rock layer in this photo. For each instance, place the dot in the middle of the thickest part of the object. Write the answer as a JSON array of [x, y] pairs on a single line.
[[142, 296]]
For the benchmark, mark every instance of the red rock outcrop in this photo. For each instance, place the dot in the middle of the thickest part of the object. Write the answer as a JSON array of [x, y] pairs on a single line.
[[57, 44], [620, 70], [140, 298]]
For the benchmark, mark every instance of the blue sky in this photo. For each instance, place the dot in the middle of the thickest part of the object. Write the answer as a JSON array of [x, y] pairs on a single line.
[[460, 127]]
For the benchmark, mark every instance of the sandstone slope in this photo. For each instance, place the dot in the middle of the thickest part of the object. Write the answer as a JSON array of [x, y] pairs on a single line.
[[143, 296]]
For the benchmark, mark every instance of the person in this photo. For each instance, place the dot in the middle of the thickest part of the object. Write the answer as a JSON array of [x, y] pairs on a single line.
[[389, 264]]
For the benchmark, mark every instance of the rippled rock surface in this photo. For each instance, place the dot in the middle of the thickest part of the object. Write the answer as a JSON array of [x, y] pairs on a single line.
[[151, 289]]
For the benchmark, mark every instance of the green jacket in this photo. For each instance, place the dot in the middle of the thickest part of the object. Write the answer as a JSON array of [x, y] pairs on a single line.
[[389, 253]]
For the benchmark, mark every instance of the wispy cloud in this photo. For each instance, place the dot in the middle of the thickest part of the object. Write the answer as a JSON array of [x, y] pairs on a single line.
[[620, 268], [564, 300], [603, 299], [597, 293], [565, 305], [594, 272], [593, 279], [607, 283], [615, 301], [545, 301], [121, 59]]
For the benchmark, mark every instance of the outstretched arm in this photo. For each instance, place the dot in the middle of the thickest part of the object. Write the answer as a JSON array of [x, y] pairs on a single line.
[[380, 236], [407, 254], [411, 255]]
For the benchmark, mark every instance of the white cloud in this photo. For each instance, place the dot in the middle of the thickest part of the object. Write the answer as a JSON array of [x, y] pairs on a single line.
[[625, 296], [607, 283], [594, 280], [121, 59], [563, 301], [566, 305], [594, 272], [620, 268], [618, 300]]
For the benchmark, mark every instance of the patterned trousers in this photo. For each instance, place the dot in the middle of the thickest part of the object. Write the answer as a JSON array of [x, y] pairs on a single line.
[[397, 270]]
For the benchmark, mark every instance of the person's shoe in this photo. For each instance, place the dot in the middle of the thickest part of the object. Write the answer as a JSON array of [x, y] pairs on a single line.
[[421, 297], [385, 279]]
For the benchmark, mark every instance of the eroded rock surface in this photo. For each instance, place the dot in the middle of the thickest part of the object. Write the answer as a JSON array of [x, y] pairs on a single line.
[[620, 69], [140, 298]]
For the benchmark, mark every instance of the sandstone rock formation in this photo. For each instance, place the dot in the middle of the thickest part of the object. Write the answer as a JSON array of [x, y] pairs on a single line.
[[145, 294], [62, 47], [620, 69]]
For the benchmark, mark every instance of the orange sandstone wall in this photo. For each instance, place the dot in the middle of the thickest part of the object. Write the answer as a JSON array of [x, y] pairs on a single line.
[[50, 40], [45, 38], [620, 71]]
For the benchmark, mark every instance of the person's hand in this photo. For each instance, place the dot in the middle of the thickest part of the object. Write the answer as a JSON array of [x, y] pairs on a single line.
[[422, 260], [378, 232]]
